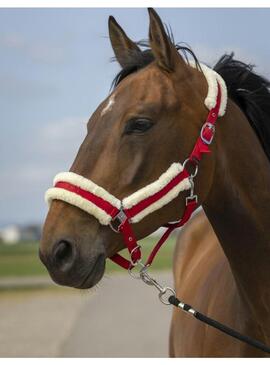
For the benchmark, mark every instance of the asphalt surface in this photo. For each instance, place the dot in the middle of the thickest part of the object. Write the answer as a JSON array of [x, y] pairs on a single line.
[[122, 318]]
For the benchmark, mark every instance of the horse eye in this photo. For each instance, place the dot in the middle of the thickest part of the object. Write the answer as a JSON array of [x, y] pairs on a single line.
[[138, 126]]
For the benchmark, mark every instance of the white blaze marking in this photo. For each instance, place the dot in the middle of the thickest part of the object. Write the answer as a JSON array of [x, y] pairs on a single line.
[[109, 105]]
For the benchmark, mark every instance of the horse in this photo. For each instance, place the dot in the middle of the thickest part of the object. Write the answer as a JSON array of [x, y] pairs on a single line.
[[150, 120]]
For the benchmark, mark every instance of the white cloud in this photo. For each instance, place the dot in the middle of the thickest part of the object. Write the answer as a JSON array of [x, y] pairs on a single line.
[[52, 149], [43, 51]]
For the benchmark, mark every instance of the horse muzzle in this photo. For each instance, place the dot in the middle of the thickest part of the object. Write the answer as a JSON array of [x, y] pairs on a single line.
[[67, 266]]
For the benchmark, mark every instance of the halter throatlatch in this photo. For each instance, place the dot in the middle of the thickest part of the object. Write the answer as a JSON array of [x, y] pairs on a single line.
[[119, 215]]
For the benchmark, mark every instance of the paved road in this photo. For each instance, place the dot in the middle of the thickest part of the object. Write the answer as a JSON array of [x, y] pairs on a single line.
[[123, 318]]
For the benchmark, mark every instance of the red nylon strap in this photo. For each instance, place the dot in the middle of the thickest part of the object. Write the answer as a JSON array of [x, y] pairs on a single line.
[[121, 261], [126, 230], [99, 202], [190, 208], [207, 132], [126, 264], [132, 245], [130, 240]]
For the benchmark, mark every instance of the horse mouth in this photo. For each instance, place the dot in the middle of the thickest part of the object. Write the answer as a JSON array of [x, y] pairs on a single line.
[[94, 275]]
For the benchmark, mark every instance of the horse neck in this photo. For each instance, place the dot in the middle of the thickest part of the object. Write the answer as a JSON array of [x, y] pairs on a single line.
[[238, 207]]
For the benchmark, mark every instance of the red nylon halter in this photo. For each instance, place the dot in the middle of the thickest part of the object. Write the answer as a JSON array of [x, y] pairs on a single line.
[[124, 215], [201, 147]]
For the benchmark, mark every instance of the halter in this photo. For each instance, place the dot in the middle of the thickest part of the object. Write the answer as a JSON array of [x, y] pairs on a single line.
[[119, 215]]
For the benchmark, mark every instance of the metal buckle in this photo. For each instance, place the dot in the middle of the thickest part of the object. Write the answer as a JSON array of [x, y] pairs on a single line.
[[192, 196], [121, 217], [212, 128]]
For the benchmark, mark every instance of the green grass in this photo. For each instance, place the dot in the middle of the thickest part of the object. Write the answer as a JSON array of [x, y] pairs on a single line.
[[22, 259]]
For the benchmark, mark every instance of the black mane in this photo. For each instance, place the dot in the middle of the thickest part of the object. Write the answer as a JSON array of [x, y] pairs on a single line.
[[251, 93], [247, 89]]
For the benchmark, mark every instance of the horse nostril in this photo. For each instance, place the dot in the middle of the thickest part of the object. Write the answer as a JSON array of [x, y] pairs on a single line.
[[64, 254]]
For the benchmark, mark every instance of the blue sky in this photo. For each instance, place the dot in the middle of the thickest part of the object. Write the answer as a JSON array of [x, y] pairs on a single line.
[[55, 69]]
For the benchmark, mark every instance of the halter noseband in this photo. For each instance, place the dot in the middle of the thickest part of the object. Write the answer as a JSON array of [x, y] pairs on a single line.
[[119, 215]]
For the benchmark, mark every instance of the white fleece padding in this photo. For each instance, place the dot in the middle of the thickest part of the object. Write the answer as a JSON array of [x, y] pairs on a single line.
[[172, 194], [128, 202], [212, 77], [153, 188], [88, 185], [78, 201]]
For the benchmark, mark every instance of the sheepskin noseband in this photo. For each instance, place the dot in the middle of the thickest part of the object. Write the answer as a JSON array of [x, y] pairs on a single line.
[[106, 208], [93, 199]]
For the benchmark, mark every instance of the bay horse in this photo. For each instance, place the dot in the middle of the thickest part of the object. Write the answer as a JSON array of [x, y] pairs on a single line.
[[151, 119]]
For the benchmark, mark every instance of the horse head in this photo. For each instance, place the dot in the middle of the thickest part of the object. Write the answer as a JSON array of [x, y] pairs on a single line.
[[150, 120]]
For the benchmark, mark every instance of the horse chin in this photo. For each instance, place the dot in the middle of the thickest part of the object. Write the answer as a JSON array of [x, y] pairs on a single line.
[[85, 275], [94, 275]]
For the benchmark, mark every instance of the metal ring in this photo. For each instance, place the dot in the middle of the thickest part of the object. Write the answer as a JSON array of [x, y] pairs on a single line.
[[131, 273], [196, 167], [161, 295], [139, 262], [131, 252]]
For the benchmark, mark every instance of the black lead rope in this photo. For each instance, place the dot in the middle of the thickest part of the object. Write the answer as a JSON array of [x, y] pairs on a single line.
[[221, 327]]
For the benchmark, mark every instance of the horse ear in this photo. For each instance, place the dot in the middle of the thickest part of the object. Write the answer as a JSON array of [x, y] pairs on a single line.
[[164, 51], [123, 47]]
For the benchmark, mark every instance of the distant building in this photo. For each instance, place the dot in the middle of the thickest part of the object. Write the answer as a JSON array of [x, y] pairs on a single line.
[[13, 234], [10, 234]]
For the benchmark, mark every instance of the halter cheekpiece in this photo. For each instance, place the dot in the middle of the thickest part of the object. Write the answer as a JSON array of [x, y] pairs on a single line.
[[119, 215]]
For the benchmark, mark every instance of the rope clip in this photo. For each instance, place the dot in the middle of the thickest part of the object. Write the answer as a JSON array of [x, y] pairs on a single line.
[[164, 291]]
